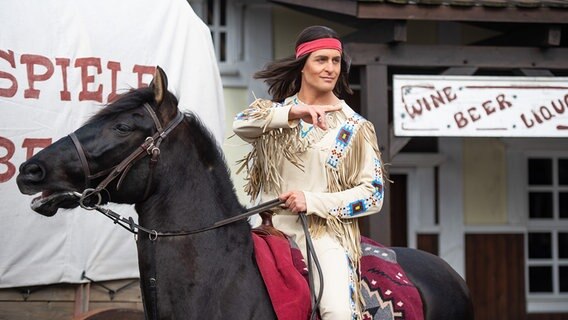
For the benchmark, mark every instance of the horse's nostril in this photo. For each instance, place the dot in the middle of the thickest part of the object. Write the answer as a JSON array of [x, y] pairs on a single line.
[[33, 172]]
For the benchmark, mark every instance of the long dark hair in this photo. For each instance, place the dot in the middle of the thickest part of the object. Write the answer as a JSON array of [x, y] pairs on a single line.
[[284, 76]]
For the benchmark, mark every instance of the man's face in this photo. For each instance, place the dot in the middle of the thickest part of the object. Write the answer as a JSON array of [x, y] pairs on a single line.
[[321, 70]]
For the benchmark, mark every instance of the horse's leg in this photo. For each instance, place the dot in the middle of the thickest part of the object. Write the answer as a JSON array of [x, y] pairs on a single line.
[[444, 293]]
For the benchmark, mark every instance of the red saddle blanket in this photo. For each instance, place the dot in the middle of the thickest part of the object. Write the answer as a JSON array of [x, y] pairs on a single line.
[[386, 291], [287, 288]]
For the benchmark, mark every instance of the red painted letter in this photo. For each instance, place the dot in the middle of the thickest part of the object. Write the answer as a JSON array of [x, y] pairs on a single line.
[[11, 90], [142, 70], [64, 63], [488, 107], [473, 114], [114, 67], [461, 121], [5, 160], [84, 64], [31, 143], [449, 94], [527, 124], [502, 102], [31, 60]]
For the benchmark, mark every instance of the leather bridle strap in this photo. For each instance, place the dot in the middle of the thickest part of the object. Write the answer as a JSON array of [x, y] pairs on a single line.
[[82, 157], [150, 146]]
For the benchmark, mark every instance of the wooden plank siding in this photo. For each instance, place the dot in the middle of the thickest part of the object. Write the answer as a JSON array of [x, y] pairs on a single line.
[[495, 275], [58, 301]]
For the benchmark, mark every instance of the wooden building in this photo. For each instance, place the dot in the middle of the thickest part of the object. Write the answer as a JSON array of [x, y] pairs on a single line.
[[472, 200]]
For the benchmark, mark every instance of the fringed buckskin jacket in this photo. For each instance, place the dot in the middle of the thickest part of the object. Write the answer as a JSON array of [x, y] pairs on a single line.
[[338, 169]]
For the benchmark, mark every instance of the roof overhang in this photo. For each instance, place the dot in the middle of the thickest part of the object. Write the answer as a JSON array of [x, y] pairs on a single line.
[[381, 10]]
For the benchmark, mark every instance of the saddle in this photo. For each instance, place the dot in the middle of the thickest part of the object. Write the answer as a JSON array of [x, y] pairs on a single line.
[[387, 293]]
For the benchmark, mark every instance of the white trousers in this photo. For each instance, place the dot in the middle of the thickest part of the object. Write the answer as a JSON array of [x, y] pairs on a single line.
[[336, 302], [337, 274]]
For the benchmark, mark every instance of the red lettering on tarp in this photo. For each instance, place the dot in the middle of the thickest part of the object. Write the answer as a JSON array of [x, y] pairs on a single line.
[[93, 76], [5, 160], [114, 67], [32, 60], [84, 64], [30, 144], [141, 71], [11, 90], [64, 63]]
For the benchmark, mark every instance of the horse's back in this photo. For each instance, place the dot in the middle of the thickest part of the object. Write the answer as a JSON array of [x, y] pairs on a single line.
[[444, 292]]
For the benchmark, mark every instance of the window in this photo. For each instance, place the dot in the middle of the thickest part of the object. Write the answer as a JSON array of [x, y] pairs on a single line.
[[222, 17], [242, 36], [547, 228]]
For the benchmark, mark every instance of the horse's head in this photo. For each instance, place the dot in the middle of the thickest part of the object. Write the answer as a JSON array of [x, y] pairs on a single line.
[[84, 159]]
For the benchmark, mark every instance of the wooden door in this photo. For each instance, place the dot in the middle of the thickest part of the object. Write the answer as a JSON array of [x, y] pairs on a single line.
[[495, 275]]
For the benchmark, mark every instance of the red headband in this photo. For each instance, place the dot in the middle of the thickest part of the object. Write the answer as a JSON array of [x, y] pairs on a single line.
[[323, 43]]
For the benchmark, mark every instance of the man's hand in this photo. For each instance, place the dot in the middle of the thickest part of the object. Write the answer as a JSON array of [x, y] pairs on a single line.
[[294, 201], [314, 114]]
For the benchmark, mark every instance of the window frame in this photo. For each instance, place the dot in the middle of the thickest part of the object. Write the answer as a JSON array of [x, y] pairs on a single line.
[[519, 153], [248, 41]]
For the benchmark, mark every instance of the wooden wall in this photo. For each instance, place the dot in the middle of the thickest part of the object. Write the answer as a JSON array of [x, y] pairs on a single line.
[[64, 301], [495, 275]]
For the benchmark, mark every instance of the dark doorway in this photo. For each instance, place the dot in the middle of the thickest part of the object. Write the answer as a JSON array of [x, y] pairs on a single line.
[[399, 214]]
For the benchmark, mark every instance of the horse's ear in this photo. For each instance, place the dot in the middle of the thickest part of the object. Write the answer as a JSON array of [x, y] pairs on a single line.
[[160, 85]]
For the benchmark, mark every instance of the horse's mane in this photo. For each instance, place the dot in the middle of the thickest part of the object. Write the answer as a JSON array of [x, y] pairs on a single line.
[[208, 150], [132, 99], [213, 159]]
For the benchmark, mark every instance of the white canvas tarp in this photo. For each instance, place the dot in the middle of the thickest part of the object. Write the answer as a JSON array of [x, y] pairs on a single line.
[[60, 61]]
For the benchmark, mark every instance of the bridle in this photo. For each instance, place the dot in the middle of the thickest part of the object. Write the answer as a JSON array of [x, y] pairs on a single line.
[[151, 147]]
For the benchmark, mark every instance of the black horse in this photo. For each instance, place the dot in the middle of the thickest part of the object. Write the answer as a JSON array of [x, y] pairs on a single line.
[[178, 180]]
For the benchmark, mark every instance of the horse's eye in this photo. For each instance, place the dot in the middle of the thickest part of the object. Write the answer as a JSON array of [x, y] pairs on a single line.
[[123, 128]]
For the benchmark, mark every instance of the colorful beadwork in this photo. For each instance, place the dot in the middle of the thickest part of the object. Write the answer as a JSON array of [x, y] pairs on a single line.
[[362, 205], [343, 139]]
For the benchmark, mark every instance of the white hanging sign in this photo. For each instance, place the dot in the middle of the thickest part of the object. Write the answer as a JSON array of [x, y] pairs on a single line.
[[471, 106]]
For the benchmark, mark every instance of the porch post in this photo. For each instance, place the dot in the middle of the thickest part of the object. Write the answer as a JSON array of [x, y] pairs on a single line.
[[374, 107]]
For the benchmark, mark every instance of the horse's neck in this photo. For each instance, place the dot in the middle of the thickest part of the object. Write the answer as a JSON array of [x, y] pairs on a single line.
[[196, 196], [192, 198], [200, 259]]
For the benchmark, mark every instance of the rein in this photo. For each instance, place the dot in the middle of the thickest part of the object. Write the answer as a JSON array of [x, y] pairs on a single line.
[[134, 228]]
